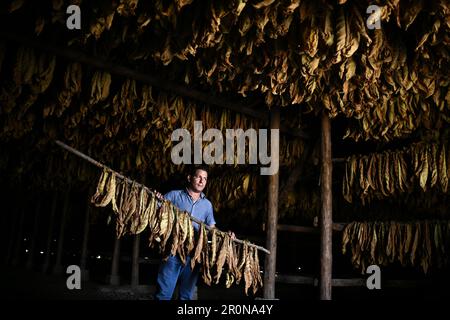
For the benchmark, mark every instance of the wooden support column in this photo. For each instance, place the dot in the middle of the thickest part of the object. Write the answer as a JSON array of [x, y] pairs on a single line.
[[84, 246], [58, 269], [51, 225], [135, 254], [19, 238], [272, 221], [10, 231], [34, 235], [135, 261], [114, 278], [4, 236], [326, 221]]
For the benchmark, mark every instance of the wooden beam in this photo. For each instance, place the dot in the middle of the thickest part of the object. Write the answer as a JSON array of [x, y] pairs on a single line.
[[272, 221], [303, 229], [166, 85], [309, 280], [326, 255], [354, 282], [294, 279]]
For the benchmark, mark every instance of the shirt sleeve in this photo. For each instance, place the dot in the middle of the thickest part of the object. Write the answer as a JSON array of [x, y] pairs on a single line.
[[170, 196]]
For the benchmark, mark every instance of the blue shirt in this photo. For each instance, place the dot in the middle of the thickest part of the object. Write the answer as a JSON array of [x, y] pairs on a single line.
[[201, 209]]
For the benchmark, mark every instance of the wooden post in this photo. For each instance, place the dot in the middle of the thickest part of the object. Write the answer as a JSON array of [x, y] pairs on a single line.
[[135, 254], [84, 246], [272, 221], [326, 221], [19, 238], [11, 229], [48, 247], [34, 235], [118, 175], [4, 236], [58, 265], [114, 278], [135, 261]]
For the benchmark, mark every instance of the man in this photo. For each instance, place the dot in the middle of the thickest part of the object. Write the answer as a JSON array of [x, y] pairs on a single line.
[[192, 200]]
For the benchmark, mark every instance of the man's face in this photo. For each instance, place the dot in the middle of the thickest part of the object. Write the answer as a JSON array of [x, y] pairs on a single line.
[[198, 182]]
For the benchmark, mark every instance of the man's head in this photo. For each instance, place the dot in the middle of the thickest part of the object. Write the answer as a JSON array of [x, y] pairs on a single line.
[[197, 178]]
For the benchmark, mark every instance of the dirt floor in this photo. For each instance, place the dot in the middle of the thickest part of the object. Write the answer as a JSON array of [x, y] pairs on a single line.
[[19, 283]]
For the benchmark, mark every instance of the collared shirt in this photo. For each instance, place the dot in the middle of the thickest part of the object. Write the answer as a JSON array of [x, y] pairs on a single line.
[[201, 209]]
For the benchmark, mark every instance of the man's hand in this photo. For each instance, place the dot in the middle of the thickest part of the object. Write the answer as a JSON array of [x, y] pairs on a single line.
[[232, 235], [158, 195]]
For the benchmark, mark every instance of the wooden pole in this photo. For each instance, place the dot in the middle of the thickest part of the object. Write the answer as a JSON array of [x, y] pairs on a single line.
[[51, 226], [120, 176], [135, 261], [11, 230], [135, 255], [4, 236], [326, 221], [84, 246], [272, 221], [303, 229], [114, 278], [34, 234], [58, 265], [19, 238]]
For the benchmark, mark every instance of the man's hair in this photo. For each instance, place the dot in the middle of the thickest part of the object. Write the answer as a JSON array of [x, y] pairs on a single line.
[[193, 170]]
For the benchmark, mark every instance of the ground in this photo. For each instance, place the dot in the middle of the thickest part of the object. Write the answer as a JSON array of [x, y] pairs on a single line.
[[19, 283], [22, 283]]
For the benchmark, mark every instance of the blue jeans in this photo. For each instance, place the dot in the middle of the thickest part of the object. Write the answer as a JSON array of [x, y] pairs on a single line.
[[170, 272]]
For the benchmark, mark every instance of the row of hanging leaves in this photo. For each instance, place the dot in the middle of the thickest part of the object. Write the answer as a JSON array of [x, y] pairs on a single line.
[[293, 52], [172, 232], [306, 52], [128, 123], [386, 174], [112, 107], [422, 244]]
